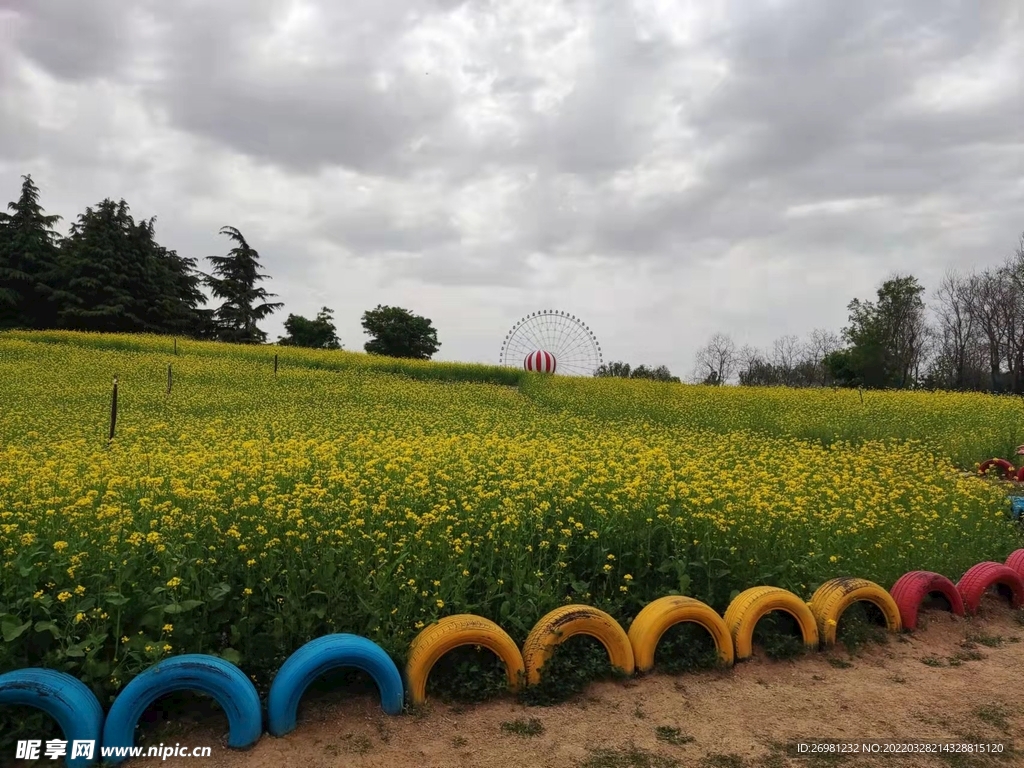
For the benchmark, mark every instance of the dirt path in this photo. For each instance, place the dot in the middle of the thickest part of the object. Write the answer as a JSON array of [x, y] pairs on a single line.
[[953, 680]]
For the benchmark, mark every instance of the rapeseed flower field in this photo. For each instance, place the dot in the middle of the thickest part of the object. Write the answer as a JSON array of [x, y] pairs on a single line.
[[248, 512]]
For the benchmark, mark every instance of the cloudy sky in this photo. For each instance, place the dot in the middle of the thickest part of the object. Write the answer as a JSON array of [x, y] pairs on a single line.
[[663, 169]]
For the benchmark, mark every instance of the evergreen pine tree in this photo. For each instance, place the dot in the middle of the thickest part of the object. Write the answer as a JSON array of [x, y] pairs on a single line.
[[100, 274], [234, 280], [114, 277], [28, 256]]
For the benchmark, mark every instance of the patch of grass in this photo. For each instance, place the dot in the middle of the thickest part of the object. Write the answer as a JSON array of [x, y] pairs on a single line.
[[779, 636], [722, 760], [638, 712], [772, 760], [860, 624], [672, 735], [627, 757], [933, 661], [357, 744], [898, 679], [965, 655], [459, 742], [572, 667], [991, 641], [523, 727], [839, 663], [994, 715], [686, 647], [467, 675]]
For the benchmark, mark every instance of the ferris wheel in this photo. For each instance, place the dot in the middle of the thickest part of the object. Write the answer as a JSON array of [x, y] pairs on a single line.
[[550, 341]]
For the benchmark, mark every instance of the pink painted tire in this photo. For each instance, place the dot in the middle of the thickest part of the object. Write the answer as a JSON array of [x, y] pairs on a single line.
[[1009, 471], [1015, 562], [983, 576], [912, 588]]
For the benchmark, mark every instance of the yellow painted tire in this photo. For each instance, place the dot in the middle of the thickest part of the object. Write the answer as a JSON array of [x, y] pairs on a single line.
[[836, 595], [565, 622], [753, 604], [451, 632], [658, 616]]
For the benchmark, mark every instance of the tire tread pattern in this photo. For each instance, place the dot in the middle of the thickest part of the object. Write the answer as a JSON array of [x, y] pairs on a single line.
[[1015, 562], [831, 599], [751, 605], [570, 620]]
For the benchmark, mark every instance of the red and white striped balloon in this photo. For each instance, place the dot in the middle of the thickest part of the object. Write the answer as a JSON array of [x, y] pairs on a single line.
[[540, 362]]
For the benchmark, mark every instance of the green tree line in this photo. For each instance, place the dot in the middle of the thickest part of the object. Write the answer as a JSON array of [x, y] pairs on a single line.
[[109, 274], [970, 336]]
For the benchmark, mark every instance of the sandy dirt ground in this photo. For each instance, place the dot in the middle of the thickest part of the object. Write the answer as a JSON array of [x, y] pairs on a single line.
[[954, 680]]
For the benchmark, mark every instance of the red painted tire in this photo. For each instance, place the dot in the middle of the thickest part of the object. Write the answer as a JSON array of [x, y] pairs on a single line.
[[982, 576], [1015, 562], [1019, 477], [912, 588], [1009, 471]]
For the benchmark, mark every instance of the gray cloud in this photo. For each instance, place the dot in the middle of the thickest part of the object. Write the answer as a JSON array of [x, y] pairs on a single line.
[[74, 41], [663, 170]]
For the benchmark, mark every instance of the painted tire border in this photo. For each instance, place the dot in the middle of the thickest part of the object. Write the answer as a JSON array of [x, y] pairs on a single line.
[[831, 599], [1009, 471], [451, 632], [753, 604], [72, 700], [320, 656], [66, 699], [560, 624], [658, 616], [980, 578], [211, 675], [911, 589]]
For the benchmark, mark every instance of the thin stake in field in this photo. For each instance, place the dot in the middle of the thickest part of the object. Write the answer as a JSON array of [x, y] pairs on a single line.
[[168, 378], [113, 411], [175, 345], [275, 364]]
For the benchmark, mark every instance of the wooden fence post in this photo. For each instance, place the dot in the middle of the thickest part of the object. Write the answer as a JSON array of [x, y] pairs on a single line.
[[168, 378], [113, 410], [275, 364]]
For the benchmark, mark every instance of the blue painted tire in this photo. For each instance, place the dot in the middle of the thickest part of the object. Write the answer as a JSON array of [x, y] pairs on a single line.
[[213, 676], [64, 698], [319, 656]]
